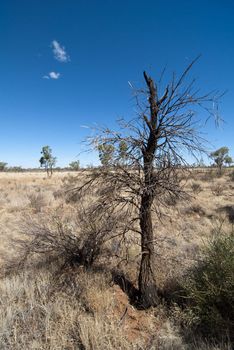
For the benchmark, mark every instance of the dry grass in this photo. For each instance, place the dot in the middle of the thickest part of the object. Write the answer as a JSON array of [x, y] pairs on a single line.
[[83, 309]]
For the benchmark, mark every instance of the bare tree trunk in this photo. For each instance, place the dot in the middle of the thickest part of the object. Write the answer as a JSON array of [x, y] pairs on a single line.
[[146, 280], [220, 170]]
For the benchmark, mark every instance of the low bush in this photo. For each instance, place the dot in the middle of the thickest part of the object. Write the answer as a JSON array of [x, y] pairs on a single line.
[[196, 187], [209, 290], [76, 240], [37, 201], [56, 240]]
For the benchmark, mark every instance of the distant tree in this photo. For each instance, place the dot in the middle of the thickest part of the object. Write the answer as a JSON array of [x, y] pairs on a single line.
[[75, 165], [90, 166], [228, 160], [199, 163], [3, 166], [106, 153], [123, 151], [47, 160], [16, 169], [221, 157]]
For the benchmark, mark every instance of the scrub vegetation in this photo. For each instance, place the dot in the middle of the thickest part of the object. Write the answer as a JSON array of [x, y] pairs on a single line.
[[53, 297]]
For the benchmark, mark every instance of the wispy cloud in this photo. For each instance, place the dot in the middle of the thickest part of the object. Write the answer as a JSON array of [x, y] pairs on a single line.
[[52, 75], [59, 51]]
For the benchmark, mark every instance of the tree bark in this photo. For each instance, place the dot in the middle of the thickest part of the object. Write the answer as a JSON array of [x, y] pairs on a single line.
[[146, 280]]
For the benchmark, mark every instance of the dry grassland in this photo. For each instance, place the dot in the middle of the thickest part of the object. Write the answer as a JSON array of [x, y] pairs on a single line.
[[84, 309]]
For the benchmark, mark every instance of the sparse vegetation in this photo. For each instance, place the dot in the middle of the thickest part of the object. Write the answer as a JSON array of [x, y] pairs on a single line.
[[53, 300], [217, 189], [209, 289], [37, 201], [209, 175]]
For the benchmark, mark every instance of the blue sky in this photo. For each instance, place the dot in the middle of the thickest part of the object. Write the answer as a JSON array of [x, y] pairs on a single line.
[[67, 63]]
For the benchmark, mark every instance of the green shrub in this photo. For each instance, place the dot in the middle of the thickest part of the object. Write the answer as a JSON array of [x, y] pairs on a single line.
[[209, 290], [196, 187]]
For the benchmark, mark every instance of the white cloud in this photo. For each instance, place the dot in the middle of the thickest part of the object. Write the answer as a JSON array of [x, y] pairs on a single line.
[[52, 75], [59, 51]]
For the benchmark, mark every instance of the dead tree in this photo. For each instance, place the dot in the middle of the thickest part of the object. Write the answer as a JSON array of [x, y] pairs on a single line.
[[157, 141]]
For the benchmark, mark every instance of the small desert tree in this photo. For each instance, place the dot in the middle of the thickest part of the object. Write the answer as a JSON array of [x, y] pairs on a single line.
[[75, 165], [47, 160], [123, 151], [221, 157], [155, 146], [3, 166]]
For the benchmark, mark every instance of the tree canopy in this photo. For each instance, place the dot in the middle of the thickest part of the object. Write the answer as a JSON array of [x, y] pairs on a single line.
[[221, 156], [47, 160]]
